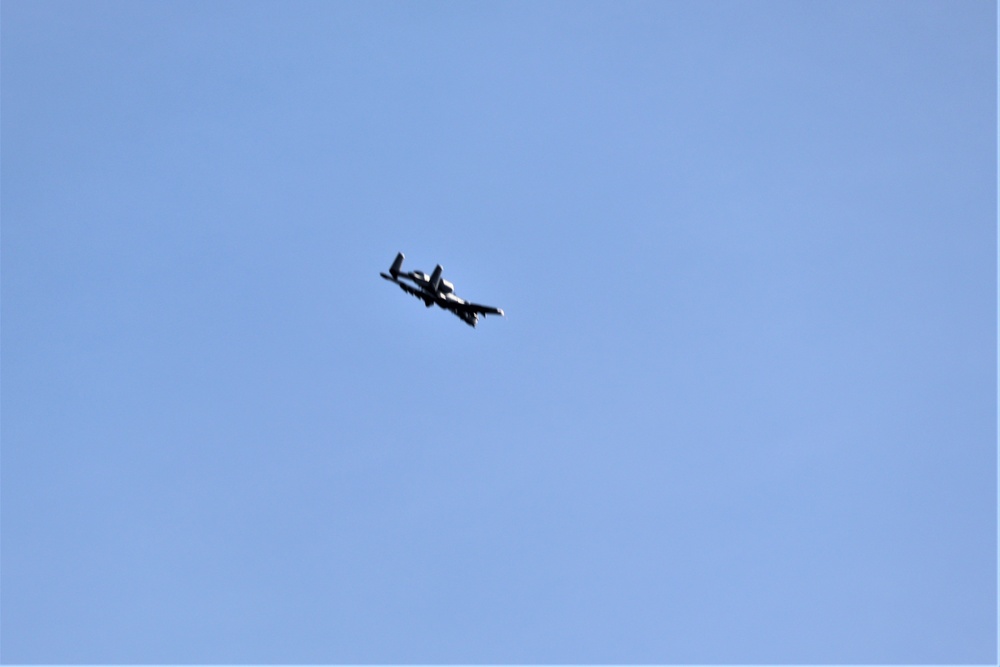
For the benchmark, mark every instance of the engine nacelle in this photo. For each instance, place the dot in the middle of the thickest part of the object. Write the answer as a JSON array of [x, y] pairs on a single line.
[[446, 287]]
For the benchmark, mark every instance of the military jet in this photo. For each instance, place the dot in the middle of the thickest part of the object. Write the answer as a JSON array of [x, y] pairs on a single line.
[[433, 289]]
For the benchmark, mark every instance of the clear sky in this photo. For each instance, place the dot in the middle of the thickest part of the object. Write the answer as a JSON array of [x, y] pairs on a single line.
[[742, 409]]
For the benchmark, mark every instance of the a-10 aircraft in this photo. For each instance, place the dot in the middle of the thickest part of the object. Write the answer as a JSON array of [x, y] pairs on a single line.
[[433, 289]]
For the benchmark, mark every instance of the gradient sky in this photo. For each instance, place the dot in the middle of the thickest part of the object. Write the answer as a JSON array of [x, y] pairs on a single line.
[[742, 409]]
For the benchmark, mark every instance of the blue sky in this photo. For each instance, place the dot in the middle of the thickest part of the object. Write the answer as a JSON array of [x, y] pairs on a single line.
[[742, 409]]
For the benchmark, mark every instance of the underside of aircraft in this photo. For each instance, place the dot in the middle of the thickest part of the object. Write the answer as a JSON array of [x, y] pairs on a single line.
[[434, 290]]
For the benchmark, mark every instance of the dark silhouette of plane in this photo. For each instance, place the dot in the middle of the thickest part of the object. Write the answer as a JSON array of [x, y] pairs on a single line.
[[433, 289]]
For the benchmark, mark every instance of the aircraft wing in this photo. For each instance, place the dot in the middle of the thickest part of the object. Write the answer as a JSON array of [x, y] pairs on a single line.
[[468, 312], [412, 290], [468, 307]]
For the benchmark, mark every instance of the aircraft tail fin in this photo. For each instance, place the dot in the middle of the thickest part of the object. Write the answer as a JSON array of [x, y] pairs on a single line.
[[436, 278], [397, 264]]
